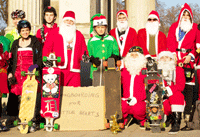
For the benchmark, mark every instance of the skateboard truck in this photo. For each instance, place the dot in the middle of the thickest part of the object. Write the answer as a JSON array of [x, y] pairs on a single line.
[[52, 57], [49, 125], [85, 58]]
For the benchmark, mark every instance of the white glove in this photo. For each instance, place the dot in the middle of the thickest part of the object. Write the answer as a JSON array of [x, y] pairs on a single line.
[[132, 102]]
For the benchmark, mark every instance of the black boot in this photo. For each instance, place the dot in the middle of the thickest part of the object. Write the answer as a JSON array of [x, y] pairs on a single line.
[[187, 120], [176, 123], [169, 120]]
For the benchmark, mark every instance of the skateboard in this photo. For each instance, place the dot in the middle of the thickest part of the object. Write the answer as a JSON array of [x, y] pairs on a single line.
[[85, 71], [154, 101], [112, 91], [195, 124], [28, 100], [98, 75], [50, 95]]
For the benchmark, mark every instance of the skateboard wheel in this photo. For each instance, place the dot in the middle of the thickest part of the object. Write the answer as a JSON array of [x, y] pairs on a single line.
[[15, 123], [23, 73], [30, 123], [58, 59], [37, 73], [41, 125], [55, 126], [44, 59]]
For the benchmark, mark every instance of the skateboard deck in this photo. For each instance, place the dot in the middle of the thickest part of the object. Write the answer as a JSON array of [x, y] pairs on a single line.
[[28, 101], [112, 90], [98, 76], [50, 97], [195, 124], [85, 71]]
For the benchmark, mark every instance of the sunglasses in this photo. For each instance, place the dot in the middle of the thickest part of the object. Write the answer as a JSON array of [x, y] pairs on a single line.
[[153, 19]]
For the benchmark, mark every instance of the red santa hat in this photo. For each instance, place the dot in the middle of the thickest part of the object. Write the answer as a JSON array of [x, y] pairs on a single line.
[[123, 12], [154, 14], [69, 15], [166, 53]]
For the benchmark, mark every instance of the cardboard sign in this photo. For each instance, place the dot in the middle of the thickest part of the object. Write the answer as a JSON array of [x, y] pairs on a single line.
[[82, 108]]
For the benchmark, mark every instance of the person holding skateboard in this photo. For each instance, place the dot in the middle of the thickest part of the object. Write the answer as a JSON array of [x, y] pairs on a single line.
[[174, 84], [4, 49], [69, 44], [49, 17], [26, 51], [101, 45], [134, 94]]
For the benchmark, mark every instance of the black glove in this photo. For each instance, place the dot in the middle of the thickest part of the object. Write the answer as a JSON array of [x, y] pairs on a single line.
[[11, 81], [116, 58], [95, 61], [199, 27]]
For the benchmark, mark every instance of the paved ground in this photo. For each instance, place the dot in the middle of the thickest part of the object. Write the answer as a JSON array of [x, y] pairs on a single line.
[[133, 130]]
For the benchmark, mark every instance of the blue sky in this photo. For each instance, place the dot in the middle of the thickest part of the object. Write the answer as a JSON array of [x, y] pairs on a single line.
[[170, 3]]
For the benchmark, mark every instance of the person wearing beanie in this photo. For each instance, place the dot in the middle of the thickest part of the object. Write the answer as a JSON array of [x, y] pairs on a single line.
[[101, 45], [173, 83], [69, 44], [134, 94], [49, 17], [151, 39], [181, 41], [126, 36]]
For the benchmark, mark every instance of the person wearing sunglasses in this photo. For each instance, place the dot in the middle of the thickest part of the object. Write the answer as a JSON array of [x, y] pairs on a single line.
[[151, 39]]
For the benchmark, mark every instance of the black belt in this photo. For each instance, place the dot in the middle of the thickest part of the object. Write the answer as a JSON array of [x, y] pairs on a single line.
[[184, 50]]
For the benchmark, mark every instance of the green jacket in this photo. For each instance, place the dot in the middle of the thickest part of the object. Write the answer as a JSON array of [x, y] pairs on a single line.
[[6, 43], [102, 49]]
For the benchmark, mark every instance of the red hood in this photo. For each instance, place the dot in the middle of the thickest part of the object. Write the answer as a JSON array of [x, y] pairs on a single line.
[[185, 7]]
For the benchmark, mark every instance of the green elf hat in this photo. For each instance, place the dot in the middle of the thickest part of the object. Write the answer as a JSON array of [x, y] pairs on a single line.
[[136, 49], [97, 20]]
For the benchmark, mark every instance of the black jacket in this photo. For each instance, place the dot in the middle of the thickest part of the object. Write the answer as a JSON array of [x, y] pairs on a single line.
[[37, 55]]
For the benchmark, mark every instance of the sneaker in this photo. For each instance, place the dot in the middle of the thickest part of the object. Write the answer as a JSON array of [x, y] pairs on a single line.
[[3, 128], [128, 120], [32, 128]]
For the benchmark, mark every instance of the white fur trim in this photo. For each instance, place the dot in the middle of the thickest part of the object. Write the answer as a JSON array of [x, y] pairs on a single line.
[[100, 22], [94, 39], [170, 93], [65, 55], [24, 49], [198, 45], [147, 56], [190, 83], [69, 18], [178, 108], [123, 13], [131, 90], [110, 38], [191, 55], [121, 46], [166, 53], [153, 16], [0, 58]]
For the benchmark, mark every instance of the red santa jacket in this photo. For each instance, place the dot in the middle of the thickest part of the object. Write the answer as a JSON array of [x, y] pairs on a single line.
[[46, 31], [56, 44], [130, 40], [133, 86], [179, 84], [143, 42], [187, 42]]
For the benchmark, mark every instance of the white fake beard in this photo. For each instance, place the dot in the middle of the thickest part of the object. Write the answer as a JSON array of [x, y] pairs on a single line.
[[167, 69], [186, 25], [152, 27], [122, 25], [67, 31], [134, 65]]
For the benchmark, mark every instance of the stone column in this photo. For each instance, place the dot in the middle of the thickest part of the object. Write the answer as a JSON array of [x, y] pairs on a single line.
[[138, 11], [33, 10], [83, 12]]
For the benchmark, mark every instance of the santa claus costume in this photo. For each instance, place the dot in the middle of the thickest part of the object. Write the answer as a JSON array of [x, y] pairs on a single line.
[[69, 44], [174, 83], [45, 30], [126, 36], [151, 39], [134, 94]]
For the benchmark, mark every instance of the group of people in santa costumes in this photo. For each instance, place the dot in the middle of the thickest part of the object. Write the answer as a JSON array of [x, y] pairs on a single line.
[[131, 51]]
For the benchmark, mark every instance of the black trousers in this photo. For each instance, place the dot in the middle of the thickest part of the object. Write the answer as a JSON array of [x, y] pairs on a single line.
[[0, 107], [13, 105]]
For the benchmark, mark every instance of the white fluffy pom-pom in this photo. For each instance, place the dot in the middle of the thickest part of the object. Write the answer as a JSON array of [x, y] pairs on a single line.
[[182, 6]]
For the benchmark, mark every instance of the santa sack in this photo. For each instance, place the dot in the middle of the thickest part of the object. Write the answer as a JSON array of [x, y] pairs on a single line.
[[189, 72]]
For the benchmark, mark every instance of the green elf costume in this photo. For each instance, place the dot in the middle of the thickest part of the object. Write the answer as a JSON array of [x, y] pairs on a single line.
[[101, 46]]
